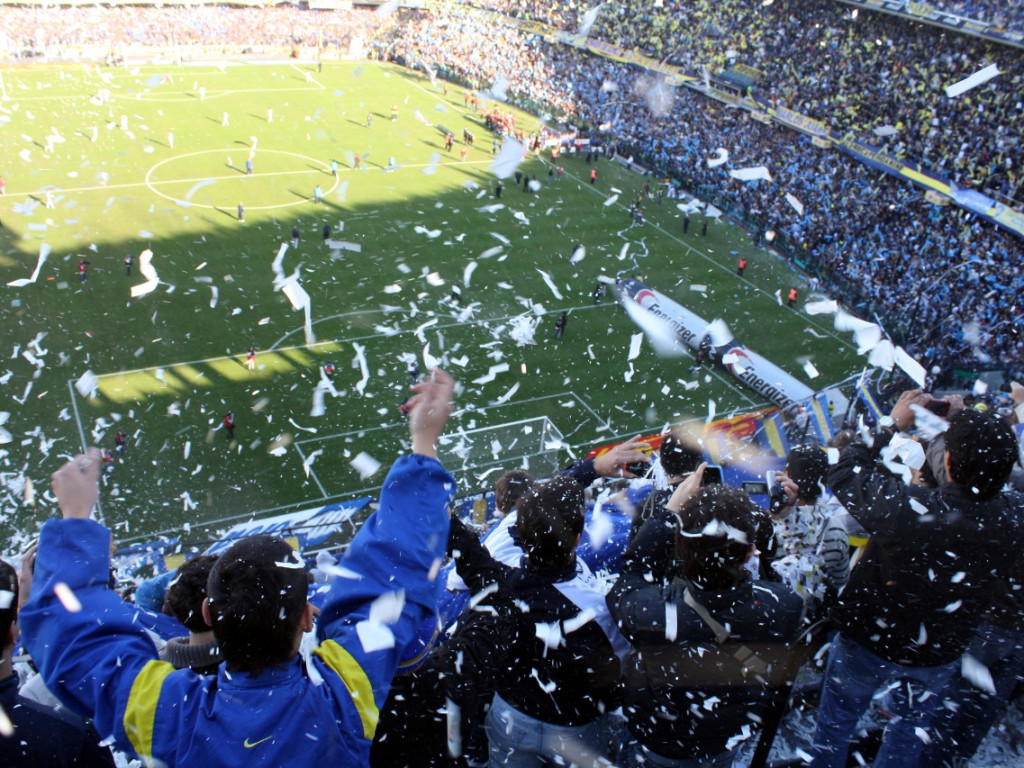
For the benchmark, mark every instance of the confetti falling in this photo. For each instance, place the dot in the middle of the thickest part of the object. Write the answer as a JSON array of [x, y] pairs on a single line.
[[67, 597]]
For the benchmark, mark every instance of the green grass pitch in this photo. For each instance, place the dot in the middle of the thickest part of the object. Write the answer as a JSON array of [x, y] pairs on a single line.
[[171, 363]]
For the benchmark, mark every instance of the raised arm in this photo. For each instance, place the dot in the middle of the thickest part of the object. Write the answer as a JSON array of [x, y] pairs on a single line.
[[646, 563], [609, 463], [395, 558], [870, 494], [87, 643]]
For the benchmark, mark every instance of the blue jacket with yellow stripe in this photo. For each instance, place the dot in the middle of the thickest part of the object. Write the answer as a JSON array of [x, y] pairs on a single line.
[[102, 664]]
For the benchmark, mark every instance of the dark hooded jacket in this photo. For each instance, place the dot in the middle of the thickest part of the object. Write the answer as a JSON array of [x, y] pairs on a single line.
[[932, 567], [687, 696]]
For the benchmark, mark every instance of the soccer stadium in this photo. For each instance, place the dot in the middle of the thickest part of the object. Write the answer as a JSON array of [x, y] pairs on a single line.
[[250, 253]]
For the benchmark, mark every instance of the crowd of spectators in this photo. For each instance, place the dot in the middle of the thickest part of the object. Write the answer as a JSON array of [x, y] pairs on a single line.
[[1008, 14], [53, 28], [668, 15], [944, 281], [451, 45], [669, 638], [853, 73]]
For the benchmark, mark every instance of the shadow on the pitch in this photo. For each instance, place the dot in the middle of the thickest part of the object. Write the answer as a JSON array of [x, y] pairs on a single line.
[[233, 215]]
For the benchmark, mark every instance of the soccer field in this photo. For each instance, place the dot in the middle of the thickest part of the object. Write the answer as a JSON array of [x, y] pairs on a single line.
[[155, 158]]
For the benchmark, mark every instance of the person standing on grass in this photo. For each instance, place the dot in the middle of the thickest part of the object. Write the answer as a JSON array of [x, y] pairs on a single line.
[[128, 264], [318, 194], [250, 359], [560, 324], [120, 443], [108, 462], [229, 425]]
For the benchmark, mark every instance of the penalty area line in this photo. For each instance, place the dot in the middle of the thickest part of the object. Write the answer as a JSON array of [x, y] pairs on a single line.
[[311, 471]]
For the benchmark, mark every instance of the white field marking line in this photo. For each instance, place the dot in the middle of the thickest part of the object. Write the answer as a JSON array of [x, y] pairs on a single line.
[[404, 311], [279, 173], [829, 331], [380, 427], [185, 95], [153, 99], [336, 435], [320, 86], [210, 95], [235, 177], [586, 405], [323, 438], [728, 382], [81, 439], [312, 472], [152, 184]]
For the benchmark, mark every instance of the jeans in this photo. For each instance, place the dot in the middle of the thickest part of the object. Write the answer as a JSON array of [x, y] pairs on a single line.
[[966, 713], [852, 676], [520, 741], [636, 755]]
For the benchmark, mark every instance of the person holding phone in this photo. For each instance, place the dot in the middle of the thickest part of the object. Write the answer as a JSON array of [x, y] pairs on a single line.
[[814, 547], [708, 641]]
